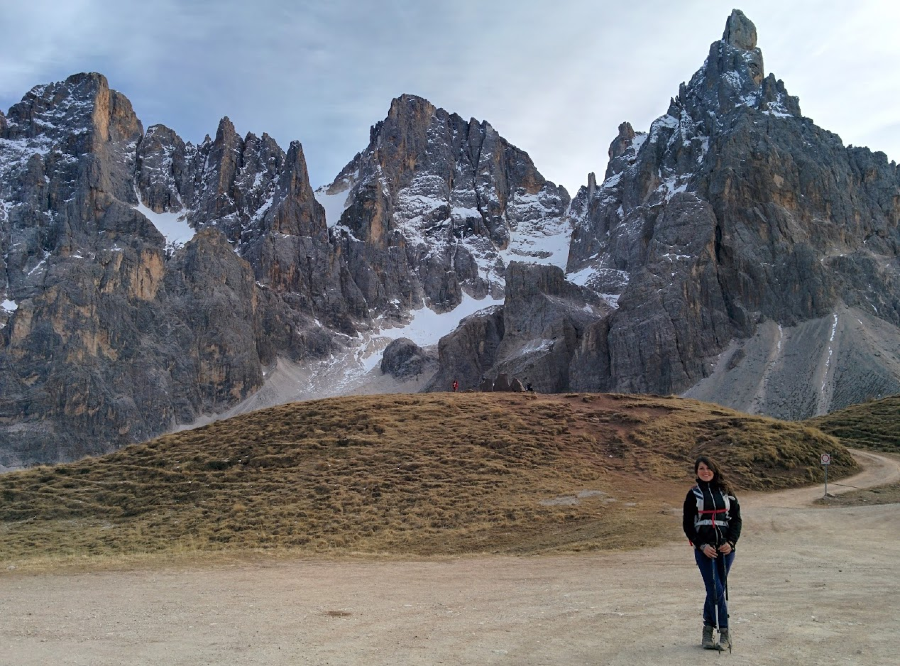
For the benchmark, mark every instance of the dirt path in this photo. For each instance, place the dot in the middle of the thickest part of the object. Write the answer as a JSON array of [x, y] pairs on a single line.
[[878, 470], [810, 586]]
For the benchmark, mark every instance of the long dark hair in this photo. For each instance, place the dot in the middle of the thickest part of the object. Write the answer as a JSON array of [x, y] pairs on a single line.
[[718, 479]]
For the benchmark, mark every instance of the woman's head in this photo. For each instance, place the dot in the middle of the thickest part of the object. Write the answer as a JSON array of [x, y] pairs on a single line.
[[706, 469]]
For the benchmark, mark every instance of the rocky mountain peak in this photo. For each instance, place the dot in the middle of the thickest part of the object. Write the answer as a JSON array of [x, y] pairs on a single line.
[[732, 232], [622, 142], [225, 132], [405, 112], [740, 31], [105, 286], [84, 101], [450, 195], [410, 106], [737, 222], [732, 74], [732, 78]]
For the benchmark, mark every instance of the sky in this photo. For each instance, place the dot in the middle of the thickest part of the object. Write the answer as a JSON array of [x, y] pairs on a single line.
[[553, 78]]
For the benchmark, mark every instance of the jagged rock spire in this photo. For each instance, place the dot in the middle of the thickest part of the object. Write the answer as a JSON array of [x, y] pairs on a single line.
[[740, 31], [623, 141]]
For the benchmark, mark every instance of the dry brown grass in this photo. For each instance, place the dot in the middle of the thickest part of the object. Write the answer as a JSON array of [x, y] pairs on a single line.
[[404, 475], [868, 425]]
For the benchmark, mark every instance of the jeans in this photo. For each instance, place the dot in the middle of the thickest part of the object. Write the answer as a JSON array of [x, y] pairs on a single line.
[[715, 573]]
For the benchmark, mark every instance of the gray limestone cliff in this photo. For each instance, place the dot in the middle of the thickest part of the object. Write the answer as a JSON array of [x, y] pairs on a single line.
[[149, 282], [735, 252], [734, 211], [436, 206], [111, 332], [106, 337]]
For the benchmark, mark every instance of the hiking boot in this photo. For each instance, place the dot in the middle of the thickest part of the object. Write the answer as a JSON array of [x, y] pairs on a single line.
[[724, 639], [708, 642]]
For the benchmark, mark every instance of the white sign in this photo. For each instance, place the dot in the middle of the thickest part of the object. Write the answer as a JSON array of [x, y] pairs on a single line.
[[826, 459]]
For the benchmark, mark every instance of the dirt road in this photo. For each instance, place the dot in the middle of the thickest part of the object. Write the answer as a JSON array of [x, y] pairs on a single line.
[[809, 586]]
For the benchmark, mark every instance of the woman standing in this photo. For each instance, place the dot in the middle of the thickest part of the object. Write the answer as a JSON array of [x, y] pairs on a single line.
[[712, 523]]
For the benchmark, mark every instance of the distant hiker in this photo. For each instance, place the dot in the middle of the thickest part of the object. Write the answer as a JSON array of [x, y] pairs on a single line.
[[455, 385], [712, 523], [529, 387]]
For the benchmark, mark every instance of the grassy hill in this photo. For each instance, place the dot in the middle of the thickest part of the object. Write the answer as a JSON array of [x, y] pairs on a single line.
[[869, 425], [406, 474]]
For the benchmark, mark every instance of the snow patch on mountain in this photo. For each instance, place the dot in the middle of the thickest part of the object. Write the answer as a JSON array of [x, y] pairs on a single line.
[[334, 204], [427, 327], [537, 235], [173, 226], [355, 369]]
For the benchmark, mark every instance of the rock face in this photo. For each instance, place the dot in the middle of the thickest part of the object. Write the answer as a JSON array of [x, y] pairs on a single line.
[[147, 282], [470, 351], [106, 337], [736, 252], [545, 320], [733, 214], [533, 337], [403, 359], [437, 206], [112, 332]]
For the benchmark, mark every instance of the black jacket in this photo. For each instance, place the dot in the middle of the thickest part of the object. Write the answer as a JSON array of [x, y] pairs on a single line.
[[703, 527]]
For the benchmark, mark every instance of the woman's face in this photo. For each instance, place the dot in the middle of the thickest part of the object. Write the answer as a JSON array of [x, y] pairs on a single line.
[[704, 473]]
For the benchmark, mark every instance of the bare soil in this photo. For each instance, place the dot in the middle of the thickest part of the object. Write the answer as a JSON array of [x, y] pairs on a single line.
[[810, 585]]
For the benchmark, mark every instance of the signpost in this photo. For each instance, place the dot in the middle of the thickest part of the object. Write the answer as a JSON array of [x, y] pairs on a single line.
[[826, 461]]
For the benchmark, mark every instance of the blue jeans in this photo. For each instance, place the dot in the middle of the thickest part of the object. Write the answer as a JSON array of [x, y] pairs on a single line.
[[715, 573]]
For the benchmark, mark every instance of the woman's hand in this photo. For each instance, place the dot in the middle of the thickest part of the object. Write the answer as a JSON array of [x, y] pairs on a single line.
[[725, 548], [709, 551]]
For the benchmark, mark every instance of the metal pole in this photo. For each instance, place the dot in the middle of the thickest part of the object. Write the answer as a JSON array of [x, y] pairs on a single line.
[[826, 480], [715, 568], [725, 585]]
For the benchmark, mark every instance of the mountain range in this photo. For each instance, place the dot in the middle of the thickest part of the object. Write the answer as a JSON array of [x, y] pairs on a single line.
[[735, 252]]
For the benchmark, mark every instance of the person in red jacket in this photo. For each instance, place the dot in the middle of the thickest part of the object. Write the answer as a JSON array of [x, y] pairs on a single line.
[[455, 385], [712, 523]]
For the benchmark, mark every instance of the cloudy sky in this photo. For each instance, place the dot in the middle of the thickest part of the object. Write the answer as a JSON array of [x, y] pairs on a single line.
[[554, 77]]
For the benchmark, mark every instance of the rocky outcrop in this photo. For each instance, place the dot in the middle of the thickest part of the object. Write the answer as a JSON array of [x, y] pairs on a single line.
[[403, 359], [545, 319], [109, 333], [533, 337], [436, 206], [740, 32], [735, 250], [469, 352], [148, 282], [732, 211]]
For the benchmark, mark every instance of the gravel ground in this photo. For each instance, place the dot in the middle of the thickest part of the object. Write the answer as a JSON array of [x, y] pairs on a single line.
[[809, 586]]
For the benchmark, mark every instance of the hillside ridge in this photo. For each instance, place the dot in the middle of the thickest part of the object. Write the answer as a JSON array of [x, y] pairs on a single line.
[[407, 474]]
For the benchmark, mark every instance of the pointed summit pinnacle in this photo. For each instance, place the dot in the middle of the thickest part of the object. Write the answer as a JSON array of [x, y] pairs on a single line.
[[740, 31]]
